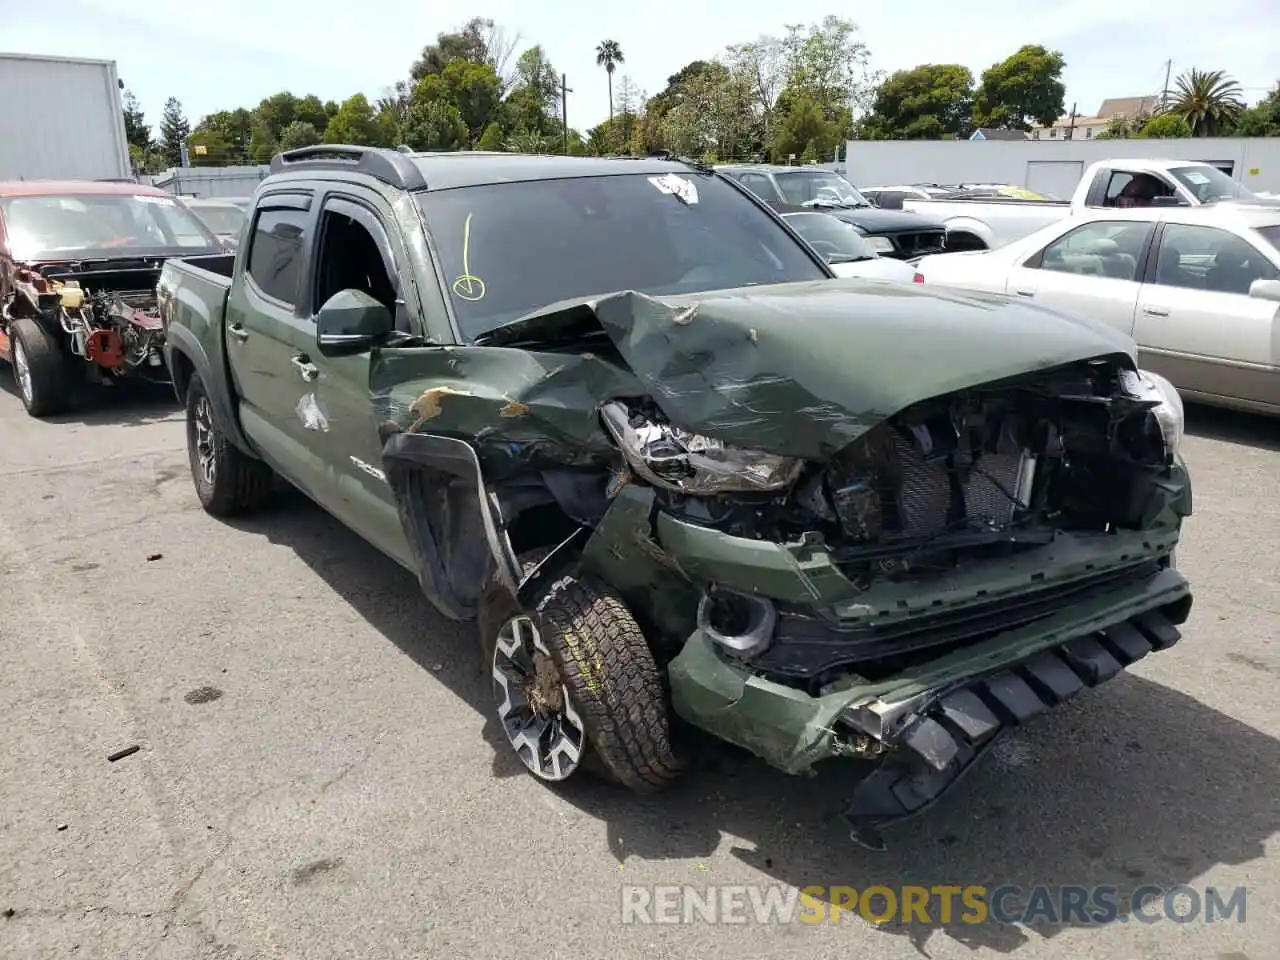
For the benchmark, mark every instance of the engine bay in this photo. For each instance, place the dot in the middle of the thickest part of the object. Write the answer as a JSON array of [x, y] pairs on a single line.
[[993, 469], [111, 319]]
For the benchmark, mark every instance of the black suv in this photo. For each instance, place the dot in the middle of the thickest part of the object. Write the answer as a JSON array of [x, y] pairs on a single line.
[[890, 233]]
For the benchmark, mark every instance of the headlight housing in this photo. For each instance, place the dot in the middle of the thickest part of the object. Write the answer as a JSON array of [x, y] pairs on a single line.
[[879, 244], [675, 459], [1169, 414]]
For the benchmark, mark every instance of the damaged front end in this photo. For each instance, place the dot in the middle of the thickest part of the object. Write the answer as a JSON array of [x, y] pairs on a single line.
[[105, 316], [959, 568], [821, 578]]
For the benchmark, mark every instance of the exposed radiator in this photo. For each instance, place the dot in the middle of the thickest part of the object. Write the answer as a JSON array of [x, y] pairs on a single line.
[[924, 497]]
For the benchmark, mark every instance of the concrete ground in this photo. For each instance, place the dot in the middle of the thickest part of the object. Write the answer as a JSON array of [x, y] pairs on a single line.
[[318, 774]]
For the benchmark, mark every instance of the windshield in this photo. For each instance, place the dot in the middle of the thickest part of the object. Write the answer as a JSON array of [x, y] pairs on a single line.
[[223, 220], [93, 227], [836, 240], [1208, 184], [819, 186], [509, 249]]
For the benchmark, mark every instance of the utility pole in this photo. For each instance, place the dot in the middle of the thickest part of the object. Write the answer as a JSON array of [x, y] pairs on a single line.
[[1164, 94], [1071, 130], [564, 109]]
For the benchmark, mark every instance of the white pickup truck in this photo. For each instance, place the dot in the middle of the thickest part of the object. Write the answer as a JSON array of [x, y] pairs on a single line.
[[983, 224]]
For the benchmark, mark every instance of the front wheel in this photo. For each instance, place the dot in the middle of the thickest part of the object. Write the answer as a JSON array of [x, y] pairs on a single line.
[[40, 367], [576, 685], [228, 481]]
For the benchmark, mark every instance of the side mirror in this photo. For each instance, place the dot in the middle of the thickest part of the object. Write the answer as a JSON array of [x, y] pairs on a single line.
[[891, 200], [351, 321], [1265, 290], [1173, 201]]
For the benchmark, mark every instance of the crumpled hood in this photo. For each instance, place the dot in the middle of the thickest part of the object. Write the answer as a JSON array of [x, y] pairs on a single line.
[[804, 368]]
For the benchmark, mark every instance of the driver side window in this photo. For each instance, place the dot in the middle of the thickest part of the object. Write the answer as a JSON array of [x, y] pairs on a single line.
[[352, 258]]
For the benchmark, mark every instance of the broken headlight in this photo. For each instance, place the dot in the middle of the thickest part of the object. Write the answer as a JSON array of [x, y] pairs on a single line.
[[675, 459], [1169, 413]]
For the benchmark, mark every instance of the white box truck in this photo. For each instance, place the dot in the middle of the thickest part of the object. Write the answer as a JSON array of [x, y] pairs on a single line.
[[61, 118]]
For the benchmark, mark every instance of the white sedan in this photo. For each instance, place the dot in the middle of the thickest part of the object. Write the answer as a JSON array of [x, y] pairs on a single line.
[[1197, 288], [845, 249]]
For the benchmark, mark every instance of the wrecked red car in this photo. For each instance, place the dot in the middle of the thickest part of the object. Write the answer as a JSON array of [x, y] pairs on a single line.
[[79, 261]]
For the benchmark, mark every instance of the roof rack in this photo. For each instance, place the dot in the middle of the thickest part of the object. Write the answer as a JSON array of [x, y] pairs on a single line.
[[389, 166]]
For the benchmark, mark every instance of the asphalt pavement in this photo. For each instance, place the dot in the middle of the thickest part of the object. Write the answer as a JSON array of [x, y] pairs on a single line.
[[318, 774]]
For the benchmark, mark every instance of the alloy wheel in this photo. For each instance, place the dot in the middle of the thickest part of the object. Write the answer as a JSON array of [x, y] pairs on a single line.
[[204, 440], [535, 709]]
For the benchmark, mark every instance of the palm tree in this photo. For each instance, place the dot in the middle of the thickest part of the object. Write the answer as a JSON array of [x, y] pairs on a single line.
[[1208, 100], [609, 55]]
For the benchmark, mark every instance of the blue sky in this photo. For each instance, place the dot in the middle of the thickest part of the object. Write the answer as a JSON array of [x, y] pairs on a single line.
[[221, 55]]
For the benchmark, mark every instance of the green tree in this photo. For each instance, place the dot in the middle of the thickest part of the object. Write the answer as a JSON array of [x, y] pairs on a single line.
[[310, 110], [210, 149], [136, 130], [929, 102], [1164, 126], [713, 116], [230, 127], [435, 125], [174, 130], [479, 40], [1208, 100], [826, 63], [354, 123], [1022, 90], [300, 133], [473, 89], [804, 130], [276, 112], [263, 144], [491, 139], [609, 55]]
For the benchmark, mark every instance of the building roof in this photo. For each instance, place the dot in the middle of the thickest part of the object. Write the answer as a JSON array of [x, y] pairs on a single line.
[[80, 188], [992, 133], [1126, 106]]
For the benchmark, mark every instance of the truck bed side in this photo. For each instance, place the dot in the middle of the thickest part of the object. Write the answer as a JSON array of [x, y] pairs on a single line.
[[193, 298]]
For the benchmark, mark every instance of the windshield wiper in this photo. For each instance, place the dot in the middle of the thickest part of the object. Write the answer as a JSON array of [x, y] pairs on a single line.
[[849, 258]]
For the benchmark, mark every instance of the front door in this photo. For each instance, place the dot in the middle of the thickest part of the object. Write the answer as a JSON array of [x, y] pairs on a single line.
[[1197, 324], [1090, 271], [355, 251]]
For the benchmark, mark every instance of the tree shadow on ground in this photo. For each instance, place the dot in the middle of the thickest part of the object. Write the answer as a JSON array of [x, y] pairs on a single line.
[[1128, 785]]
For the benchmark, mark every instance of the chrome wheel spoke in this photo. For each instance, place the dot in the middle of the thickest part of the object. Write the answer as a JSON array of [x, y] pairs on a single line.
[[23, 369]]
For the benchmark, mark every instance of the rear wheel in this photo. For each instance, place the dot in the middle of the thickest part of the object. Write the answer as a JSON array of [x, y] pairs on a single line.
[[40, 368], [576, 686], [228, 481]]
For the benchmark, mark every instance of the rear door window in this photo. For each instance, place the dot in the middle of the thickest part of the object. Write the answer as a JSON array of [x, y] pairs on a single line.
[[277, 251]]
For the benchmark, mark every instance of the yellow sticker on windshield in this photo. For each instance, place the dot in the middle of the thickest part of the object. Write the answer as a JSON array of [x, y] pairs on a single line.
[[467, 286]]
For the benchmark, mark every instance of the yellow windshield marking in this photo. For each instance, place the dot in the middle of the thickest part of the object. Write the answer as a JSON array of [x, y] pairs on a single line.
[[467, 286]]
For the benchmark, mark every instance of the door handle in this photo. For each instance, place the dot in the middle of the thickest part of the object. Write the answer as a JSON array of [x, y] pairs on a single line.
[[308, 370], [1156, 311], [1025, 293], [239, 332]]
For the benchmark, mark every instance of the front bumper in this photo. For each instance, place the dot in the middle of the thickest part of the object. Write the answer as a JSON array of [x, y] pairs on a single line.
[[1022, 634]]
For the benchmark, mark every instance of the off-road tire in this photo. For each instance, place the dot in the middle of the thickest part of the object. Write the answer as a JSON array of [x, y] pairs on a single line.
[[240, 483], [46, 365], [605, 661]]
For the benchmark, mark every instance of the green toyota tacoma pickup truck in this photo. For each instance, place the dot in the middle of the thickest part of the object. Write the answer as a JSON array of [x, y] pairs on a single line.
[[619, 414]]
